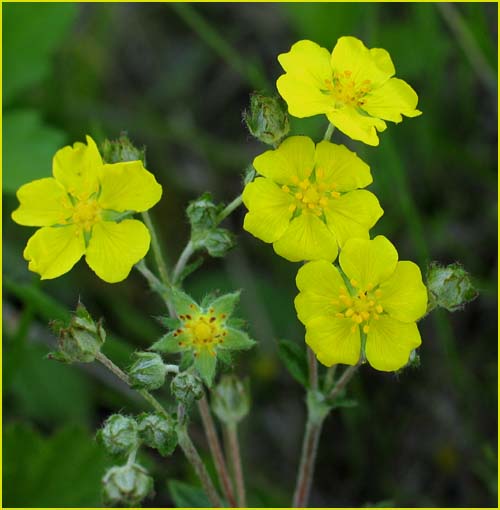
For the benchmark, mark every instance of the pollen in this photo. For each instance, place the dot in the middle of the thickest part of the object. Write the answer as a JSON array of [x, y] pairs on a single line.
[[86, 213], [360, 307], [345, 91]]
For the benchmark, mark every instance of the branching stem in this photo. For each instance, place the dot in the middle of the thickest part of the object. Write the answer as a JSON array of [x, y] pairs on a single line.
[[234, 454]]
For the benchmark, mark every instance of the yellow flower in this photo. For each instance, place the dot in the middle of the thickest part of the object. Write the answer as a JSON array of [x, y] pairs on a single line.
[[381, 303], [353, 86], [308, 203], [81, 211]]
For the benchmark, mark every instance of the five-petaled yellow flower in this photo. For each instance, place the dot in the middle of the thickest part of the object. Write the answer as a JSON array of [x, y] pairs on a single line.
[[308, 203], [81, 210], [353, 86], [381, 302]]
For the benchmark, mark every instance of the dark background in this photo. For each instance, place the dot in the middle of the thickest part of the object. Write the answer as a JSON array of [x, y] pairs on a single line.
[[177, 78]]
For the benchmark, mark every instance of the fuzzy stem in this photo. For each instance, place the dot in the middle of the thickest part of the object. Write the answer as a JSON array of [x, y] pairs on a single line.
[[313, 369], [229, 208], [342, 382], [155, 245], [183, 260], [234, 454], [156, 285], [329, 132], [216, 450]]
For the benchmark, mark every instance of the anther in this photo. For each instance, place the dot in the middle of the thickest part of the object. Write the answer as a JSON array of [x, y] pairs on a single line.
[[304, 184], [292, 207], [339, 315], [353, 282], [379, 309], [285, 188], [349, 312], [366, 329]]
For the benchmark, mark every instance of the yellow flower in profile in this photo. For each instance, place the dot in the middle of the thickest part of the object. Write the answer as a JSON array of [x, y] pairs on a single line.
[[378, 300], [82, 210], [354, 87], [308, 201]]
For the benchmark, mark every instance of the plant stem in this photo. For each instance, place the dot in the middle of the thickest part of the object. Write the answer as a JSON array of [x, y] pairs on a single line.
[[183, 260], [160, 261], [329, 132], [184, 441], [234, 453], [229, 208], [307, 461], [330, 374], [192, 455], [313, 369], [156, 285], [216, 451], [342, 382]]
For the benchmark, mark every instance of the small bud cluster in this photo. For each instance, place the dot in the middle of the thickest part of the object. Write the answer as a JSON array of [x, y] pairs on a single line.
[[203, 216], [80, 340]]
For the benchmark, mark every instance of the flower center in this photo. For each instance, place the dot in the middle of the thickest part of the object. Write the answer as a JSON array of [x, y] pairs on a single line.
[[86, 213], [362, 307], [346, 91], [204, 331], [311, 196]]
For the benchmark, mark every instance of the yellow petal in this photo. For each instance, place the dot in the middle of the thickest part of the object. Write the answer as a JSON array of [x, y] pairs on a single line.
[[307, 66], [353, 215], [294, 158], [128, 187], [368, 262], [76, 168], [115, 247], [320, 284], [404, 295], [383, 60], [356, 125], [393, 98], [43, 203], [341, 167], [334, 340], [53, 251], [307, 238], [269, 209], [389, 343], [350, 54]]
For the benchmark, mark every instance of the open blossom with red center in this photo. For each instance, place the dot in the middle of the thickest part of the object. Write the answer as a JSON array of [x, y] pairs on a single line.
[[354, 86]]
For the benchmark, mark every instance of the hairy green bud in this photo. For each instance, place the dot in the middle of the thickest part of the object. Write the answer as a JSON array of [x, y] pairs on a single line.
[[217, 242], [267, 119], [119, 435], [148, 371], [116, 151], [449, 287], [186, 388], [231, 399], [157, 431], [202, 212], [126, 485], [80, 340]]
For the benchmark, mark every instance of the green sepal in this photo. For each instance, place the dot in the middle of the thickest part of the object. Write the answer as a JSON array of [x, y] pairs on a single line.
[[225, 357], [237, 323], [187, 360], [169, 343], [236, 340], [183, 303], [295, 360], [158, 432], [225, 304], [209, 298], [169, 322], [205, 364]]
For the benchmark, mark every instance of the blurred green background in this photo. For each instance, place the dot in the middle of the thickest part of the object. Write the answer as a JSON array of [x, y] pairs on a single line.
[[176, 77]]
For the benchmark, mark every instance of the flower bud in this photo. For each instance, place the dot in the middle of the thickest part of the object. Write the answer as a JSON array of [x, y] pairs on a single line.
[[157, 431], [119, 435], [148, 371], [80, 340], [126, 485], [267, 119], [186, 388], [202, 212], [449, 287], [231, 399], [116, 151], [217, 242]]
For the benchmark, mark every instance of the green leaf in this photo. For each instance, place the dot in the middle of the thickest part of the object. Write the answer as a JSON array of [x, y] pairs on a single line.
[[295, 360], [184, 304], [29, 146], [185, 495], [31, 34], [225, 304], [236, 340], [63, 470], [205, 364]]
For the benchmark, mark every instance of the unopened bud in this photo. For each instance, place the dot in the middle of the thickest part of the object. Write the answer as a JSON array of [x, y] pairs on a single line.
[[202, 212], [80, 340], [126, 485], [119, 435], [449, 287], [157, 431], [231, 399], [217, 242], [186, 388], [148, 371], [267, 119], [116, 151]]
